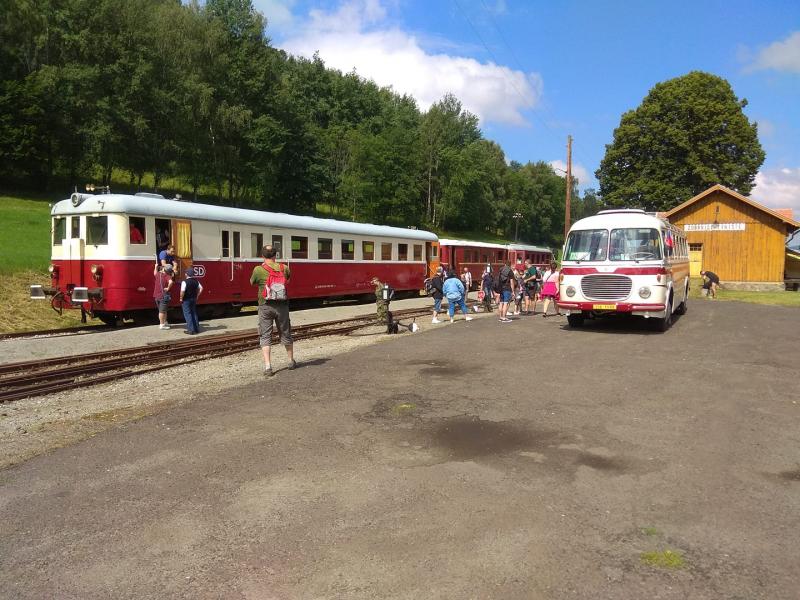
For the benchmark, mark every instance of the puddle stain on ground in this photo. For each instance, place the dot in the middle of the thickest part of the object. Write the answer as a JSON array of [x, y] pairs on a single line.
[[600, 463], [793, 475], [442, 368], [467, 438]]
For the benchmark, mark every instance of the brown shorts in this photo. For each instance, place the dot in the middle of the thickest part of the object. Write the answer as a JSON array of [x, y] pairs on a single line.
[[279, 313]]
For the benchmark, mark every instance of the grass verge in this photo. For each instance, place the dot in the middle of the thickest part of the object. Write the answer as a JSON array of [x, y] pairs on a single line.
[[20, 313], [25, 239], [779, 298]]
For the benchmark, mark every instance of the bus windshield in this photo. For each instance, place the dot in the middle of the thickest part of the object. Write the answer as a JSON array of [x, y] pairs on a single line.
[[635, 244], [587, 244]]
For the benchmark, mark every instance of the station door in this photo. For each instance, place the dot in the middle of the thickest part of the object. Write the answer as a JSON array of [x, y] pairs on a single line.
[[695, 259]]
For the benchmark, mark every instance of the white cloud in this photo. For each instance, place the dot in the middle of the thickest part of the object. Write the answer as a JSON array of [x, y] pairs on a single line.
[[578, 170], [778, 188], [765, 128], [780, 56], [278, 12], [358, 36]]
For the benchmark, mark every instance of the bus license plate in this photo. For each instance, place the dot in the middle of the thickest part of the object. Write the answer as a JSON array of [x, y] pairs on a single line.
[[604, 306]]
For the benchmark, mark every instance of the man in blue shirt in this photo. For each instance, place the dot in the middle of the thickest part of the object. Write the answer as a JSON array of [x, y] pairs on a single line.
[[454, 292]]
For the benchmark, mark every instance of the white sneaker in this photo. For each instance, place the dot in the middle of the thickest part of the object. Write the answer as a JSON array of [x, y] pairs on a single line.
[[452, 321], [468, 319], [435, 321], [163, 326]]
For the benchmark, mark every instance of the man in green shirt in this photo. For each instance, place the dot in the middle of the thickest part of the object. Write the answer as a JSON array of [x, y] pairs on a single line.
[[273, 310], [531, 286]]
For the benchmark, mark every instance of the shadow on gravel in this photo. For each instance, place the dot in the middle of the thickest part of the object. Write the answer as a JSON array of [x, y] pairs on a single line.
[[620, 324]]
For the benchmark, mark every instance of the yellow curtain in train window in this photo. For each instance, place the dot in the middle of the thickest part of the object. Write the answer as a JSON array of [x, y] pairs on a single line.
[[183, 239]]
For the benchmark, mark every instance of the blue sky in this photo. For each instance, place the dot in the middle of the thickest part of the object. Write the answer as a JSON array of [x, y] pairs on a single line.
[[535, 72]]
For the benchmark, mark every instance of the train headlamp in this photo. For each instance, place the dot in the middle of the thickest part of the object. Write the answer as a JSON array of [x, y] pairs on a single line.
[[644, 292], [51, 269], [95, 269], [570, 291]]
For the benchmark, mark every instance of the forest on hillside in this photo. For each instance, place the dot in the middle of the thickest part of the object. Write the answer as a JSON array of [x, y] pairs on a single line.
[[192, 98]]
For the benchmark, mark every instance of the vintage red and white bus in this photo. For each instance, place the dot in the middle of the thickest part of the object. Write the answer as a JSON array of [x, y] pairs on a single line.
[[624, 261], [104, 249]]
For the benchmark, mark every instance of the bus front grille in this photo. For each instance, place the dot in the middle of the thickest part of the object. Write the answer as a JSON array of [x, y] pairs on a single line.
[[606, 287]]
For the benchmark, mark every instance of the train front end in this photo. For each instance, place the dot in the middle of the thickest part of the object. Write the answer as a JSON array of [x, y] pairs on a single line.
[[84, 261]]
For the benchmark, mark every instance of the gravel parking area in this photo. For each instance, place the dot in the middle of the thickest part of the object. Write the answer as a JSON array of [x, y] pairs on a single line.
[[476, 460]]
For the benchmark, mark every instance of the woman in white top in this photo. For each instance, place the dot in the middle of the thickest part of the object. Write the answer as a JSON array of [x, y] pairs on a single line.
[[550, 288]]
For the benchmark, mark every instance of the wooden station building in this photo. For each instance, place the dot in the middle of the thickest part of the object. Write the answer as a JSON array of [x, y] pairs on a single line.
[[740, 240]]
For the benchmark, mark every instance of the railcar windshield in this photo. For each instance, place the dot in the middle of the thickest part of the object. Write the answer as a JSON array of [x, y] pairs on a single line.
[[587, 244], [635, 244]]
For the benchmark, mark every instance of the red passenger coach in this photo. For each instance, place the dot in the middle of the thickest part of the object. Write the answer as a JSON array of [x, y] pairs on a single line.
[[458, 254], [104, 248]]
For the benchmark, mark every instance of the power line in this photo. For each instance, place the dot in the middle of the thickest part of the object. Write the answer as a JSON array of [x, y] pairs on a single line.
[[497, 62]]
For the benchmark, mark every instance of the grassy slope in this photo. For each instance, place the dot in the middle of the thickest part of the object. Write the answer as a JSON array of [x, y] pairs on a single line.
[[780, 298], [25, 238]]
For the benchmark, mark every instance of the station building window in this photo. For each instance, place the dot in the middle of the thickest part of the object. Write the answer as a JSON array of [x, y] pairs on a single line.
[[299, 246], [402, 251], [368, 250], [324, 249], [417, 251], [256, 243], [226, 244], [137, 230], [59, 230], [348, 250], [277, 244], [386, 251], [97, 231]]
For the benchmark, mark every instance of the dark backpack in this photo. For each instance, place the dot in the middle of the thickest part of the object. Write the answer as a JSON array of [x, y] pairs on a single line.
[[429, 287]]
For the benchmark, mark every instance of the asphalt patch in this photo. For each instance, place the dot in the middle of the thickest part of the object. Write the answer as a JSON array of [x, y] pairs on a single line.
[[443, 368]]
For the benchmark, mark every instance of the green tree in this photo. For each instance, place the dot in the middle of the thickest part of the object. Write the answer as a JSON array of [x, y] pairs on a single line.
[[688, 134]]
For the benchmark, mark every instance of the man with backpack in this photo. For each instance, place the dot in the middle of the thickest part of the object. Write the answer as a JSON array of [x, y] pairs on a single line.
[[434, 288], [504, 285], [271, 278]]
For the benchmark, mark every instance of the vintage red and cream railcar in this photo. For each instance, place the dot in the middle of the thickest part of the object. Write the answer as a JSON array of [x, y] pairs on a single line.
[[104, 248], [458, 254]]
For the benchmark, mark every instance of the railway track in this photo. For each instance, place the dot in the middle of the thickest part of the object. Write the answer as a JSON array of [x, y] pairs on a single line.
[[38, 377]]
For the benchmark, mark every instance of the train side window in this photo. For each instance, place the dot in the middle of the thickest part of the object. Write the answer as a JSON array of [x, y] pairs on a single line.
[[348, 250], [59, 230], [237, 244], [226, 244], [256, 243], [299, 246], [368, 250], [324, 249], [277, 244], [97, 231], [485, 258], [434, 251], [402, 251], [386, 251], [417, 251], [75, 227], [137, 230]]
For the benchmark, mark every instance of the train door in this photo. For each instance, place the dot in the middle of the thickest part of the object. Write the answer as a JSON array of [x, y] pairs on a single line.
[[432, 257], [182, 240]]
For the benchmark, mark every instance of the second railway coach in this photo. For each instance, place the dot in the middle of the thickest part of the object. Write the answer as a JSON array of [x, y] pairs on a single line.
[[104, 249]]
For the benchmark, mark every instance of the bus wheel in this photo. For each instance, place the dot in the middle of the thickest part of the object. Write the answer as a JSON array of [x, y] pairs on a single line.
[[664, 324], [683, 306], [575, 320]]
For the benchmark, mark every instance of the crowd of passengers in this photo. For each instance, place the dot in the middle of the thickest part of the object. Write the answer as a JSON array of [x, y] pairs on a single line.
[[513, 291]]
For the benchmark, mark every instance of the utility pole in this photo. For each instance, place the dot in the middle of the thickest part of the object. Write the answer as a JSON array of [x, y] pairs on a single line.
[[569, 187], [517, 216]]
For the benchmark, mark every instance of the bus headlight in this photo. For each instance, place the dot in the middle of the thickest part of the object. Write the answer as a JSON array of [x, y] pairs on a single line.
[[570, 291], [644, 292]]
